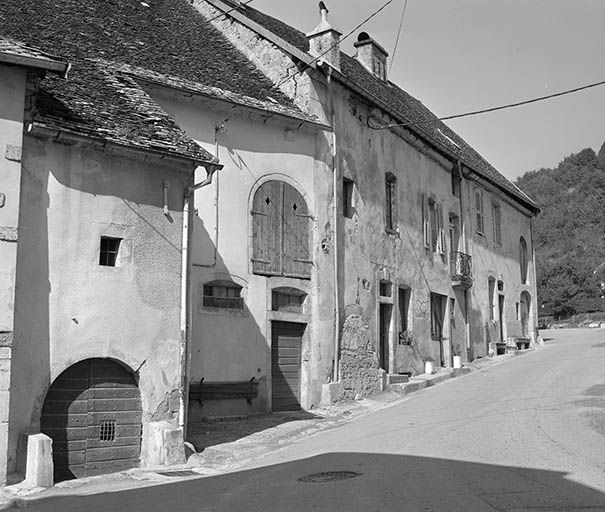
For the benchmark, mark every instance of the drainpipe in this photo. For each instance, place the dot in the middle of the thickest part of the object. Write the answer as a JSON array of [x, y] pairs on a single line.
[[337, 312], [186, 298]]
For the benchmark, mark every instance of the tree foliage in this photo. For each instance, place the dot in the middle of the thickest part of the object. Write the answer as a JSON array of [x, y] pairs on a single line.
[[569, 232]]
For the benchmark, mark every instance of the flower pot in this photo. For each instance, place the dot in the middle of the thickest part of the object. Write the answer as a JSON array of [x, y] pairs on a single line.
[[457, 362], [429, 367]]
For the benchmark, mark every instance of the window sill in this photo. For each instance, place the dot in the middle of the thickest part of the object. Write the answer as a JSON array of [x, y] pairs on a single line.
[[222, 311]]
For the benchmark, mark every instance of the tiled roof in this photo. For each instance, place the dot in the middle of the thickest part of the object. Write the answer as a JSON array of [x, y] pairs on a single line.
[[100, 102], [408, 108], [163, 37], [17, 49]]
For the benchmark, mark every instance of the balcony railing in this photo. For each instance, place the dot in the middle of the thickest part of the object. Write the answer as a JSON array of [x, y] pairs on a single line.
[[461, 269]]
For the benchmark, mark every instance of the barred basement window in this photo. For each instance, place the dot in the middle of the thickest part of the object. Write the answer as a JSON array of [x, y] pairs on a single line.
[[223, 294], [107, 430], [108, 254]]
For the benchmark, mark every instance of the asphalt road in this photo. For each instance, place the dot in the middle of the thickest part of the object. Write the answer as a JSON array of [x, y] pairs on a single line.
[[525, 435]]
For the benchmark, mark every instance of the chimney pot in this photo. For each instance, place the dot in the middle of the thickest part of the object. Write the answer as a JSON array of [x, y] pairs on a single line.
[[371, 55], [324, 41]]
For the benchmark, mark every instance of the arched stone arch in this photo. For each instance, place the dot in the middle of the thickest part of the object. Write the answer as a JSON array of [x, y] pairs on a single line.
[[523, 260]]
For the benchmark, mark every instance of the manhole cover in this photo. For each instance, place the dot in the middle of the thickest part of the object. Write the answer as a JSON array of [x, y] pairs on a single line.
[[329, 476], [184, 472]]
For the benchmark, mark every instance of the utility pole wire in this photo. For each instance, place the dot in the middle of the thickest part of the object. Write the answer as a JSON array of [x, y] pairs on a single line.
[[493, 109], [334, 45], [243, 4], [405, 6]]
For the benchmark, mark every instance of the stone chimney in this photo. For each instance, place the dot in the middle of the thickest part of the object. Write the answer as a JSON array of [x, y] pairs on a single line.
[[324, 41], [371, 55]]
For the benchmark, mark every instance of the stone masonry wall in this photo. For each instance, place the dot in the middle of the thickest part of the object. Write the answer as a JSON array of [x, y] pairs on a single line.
[[360, 371]]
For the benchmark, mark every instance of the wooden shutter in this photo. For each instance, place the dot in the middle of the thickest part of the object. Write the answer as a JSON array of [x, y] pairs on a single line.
[[267, 228], [497, 225], [296, 257], [479, 211], [426, 228]]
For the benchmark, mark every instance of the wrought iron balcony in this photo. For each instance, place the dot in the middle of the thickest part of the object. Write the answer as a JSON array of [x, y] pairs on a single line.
[[461, 269]]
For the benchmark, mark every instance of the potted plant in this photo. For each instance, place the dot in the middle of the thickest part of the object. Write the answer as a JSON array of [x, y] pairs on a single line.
[[407, 337]]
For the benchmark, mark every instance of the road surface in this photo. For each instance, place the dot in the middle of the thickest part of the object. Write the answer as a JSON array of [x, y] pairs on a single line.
[[525, 435]]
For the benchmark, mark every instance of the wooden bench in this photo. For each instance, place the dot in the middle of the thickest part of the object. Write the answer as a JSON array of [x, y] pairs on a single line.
[[223, 390]]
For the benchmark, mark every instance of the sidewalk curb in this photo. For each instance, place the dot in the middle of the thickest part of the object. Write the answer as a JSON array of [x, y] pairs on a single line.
[[225, 457]]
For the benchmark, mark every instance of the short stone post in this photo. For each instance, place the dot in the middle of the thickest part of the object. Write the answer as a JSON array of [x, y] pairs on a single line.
[[167, 445], [39, 467]]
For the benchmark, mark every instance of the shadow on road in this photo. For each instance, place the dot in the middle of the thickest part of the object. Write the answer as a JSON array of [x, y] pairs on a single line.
[[210, 432], [373, 482]]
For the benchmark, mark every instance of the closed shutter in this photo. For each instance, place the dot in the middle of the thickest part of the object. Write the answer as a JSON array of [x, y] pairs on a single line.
[[266, 228], [297, 259], [479, 212], [497, 226]]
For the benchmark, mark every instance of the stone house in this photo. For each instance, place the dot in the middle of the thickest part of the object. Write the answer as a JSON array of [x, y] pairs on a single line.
[[333, 253], [421, 249]]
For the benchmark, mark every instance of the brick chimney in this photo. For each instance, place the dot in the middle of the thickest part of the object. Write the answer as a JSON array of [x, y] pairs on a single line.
[[325, 39], [371, 55]]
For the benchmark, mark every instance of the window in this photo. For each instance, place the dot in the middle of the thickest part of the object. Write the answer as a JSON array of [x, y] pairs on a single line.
[[347, 198], [223, 294], [390, 202], [404, 308], [496, 218], [287, 300], [479, 228], [455, 183], [523, 259], [280, 231], [385, 288], [109, 250], [491, 285], [433, 224]]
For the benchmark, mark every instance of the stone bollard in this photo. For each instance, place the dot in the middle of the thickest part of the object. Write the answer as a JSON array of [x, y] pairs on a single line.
[[39, 466], [167, 445]]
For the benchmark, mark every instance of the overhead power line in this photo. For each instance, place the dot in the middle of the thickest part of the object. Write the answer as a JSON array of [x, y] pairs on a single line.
[[493, 109], [301, 70], [243, 4], [405, 6]]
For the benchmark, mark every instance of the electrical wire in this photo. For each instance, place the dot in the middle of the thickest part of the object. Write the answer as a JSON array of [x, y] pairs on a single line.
[[405, 6], [307, 66], [243, 4], [493, 109]]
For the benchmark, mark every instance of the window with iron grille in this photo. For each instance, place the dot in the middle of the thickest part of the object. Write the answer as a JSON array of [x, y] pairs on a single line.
[[109, 250], [223, 294], [107, 430], [347, 198]]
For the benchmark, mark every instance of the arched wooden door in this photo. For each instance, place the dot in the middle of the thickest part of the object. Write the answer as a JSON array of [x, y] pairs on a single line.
[[92, 412]]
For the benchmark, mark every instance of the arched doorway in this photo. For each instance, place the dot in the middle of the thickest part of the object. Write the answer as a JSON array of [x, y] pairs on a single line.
[[92, 412], [525, 304]]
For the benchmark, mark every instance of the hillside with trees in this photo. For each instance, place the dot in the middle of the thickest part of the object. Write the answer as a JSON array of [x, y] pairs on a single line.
[[569, 233]]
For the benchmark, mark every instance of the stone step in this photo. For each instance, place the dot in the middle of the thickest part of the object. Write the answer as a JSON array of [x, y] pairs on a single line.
[[395, 378]]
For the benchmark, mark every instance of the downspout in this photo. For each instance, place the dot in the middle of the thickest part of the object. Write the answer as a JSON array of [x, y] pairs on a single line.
[[217, 129], [469, 348], [186, 297], [337, 312]]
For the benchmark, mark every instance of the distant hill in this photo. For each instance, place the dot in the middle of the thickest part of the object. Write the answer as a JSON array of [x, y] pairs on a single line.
[[569, 233]]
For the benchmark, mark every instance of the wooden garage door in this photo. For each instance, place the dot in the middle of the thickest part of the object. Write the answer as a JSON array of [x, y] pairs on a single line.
[[92, 412], [286, 346]]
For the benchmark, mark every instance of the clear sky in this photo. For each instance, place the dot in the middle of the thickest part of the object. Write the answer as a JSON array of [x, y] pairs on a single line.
[[461, 55]]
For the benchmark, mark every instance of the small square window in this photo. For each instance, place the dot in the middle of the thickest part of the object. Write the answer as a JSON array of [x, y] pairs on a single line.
[[110, 247], [223, 294], [384, 288]]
